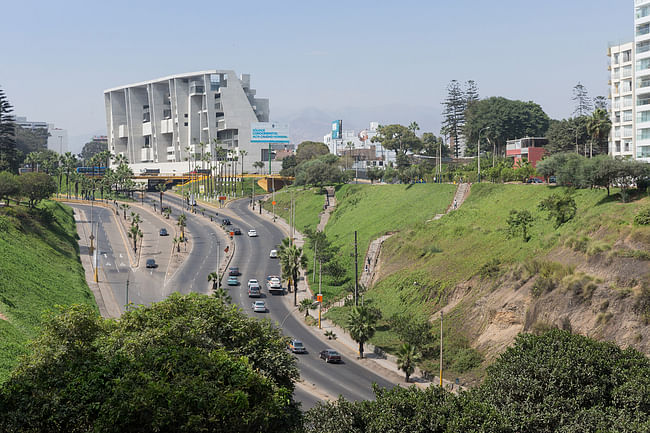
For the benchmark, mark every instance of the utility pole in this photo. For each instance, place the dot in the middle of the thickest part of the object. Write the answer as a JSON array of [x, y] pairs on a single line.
[[440, 348], [320, 279], [127, 291], [218, 261], [356, 273], [97, 255]]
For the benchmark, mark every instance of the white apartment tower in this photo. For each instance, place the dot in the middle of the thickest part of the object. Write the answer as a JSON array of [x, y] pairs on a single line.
[[630, 90], [162, 123]]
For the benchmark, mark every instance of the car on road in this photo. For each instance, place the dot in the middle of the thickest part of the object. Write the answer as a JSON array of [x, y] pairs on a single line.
[[296, 346], [151, 263], [534, 180], [330, 355], [236, 231], [163, 232], [233, 281], [259, 307], [254, 292], [234, 271], [252, 233], [273, 254], [274, 284], [225, 222], [253, 282]]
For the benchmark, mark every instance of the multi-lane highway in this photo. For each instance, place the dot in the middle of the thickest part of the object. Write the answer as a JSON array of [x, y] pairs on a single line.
[[348, 379]]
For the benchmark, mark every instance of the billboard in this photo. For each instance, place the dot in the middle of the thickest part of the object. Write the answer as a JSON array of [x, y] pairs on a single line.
[[270, 132], [337, 125]]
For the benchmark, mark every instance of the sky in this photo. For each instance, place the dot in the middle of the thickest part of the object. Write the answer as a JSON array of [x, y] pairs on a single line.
[[389, 61]]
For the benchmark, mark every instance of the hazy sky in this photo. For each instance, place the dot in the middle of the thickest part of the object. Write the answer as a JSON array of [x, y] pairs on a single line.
[[58, 57]]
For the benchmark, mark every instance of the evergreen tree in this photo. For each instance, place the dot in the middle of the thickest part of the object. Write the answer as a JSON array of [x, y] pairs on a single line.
[[454, 115], [584, 106], [600, 102], [8, 154], [471, 92]]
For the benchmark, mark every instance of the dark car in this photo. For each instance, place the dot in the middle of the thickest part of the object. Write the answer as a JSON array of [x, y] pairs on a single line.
[[233, 271], [552, 179], [163, 232], [225, 222], [236, 231], [151, 263], [330, 355]]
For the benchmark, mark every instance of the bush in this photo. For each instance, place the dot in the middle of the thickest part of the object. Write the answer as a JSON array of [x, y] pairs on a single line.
[[490, 269], [643, 217]]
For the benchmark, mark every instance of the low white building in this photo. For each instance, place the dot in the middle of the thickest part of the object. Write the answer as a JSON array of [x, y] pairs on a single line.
[[352, 141]]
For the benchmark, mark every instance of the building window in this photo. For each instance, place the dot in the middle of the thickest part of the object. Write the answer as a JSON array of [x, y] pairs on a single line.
[[643, 152], [617, 132], [627, 101], [643, 47], [616, 58], [643, 29], [618, 147], [643, 99], [627, 131], [627, 116], [627, 56], [643, 134], [147, 141], [642, 64], [185, 123], [626, 144], [642, 11], [627, 86]]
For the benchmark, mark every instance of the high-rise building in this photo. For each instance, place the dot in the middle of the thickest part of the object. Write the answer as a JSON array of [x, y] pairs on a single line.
[[163, 123], [630, 90]]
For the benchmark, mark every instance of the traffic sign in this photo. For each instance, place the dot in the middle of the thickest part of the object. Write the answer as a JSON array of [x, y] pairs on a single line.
[[273, 202], [222, 197], [319, 297]]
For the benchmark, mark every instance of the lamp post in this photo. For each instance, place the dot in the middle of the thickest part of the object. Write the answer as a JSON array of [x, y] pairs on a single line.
[[478, 152]]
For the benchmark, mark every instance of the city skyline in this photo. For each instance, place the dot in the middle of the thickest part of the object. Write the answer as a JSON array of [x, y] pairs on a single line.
[[366, 60]]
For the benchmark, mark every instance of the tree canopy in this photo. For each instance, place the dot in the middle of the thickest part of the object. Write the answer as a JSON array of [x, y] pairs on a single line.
[[189, 363], [308, 150], [506, 120]]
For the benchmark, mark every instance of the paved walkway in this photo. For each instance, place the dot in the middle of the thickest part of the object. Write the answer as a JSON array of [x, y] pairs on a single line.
[[328, 208], [462, 192]]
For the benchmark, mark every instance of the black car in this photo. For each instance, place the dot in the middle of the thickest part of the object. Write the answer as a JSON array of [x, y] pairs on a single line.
[[225, 222], [330, 355], [236, 231], [233, 271], [151, 263], [163, 232]]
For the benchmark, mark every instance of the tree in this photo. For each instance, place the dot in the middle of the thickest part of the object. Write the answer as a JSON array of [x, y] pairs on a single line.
[[560, 208], [600, 102], [288, 166], [124, 207], [161, 188], [182, 223], [135, 233], [177, 244], [374, 174], [308, 150], [598, 127], [9, 186], [471, 93], [189, 363], [94, 147], [259, 165], [407, 357], [214, 277], [398, 138], [8, 152], [582, 100], [412, 330], [519, 221], [306, 305], [292, 261], [567, 135], [361, 323], [454, 115], [31, 140], [36, 187], [506, 119]]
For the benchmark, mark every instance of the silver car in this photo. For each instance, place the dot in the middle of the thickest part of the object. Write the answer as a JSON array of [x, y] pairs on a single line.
[[259, 307]]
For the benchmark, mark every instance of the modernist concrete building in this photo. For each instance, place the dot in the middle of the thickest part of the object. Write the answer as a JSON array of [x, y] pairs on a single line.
[[161, 123]]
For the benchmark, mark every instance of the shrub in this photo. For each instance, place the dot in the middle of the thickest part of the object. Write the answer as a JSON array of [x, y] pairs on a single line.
[[643, 217], [561, 208], [490, 269]]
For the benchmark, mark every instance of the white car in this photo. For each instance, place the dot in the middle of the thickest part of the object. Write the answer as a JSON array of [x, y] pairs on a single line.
[[253, 282], [273, 254], [259, 307], [252, 233]]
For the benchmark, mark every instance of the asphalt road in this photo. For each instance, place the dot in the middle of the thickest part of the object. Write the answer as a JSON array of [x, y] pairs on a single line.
[[348, 379]]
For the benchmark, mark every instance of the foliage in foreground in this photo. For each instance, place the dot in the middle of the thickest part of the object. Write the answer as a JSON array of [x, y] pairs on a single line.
[[190, 363], [555, 382]]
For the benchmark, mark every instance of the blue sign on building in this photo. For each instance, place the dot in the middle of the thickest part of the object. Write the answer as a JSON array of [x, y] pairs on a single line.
[[336, 129], [269, 132]]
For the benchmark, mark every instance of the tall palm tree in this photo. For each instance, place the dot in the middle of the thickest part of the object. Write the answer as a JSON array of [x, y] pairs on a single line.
[[243, 153], [135, 233], [182, 219], [292, 261], [306, 305], [407, 357], [362, 323], [258, 165], [124, 207], [161, 188], [214, 277], [598, 127]]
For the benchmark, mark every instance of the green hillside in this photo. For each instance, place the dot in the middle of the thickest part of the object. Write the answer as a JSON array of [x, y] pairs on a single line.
[[40, 268]]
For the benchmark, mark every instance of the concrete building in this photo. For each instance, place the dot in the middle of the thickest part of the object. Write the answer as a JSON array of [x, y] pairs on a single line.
[[530, 149], [641, 56], [360, 143], [161, 123], [57, 139]]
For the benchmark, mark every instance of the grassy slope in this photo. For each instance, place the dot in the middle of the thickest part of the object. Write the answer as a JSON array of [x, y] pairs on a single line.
[[40, 268], [372, 210]]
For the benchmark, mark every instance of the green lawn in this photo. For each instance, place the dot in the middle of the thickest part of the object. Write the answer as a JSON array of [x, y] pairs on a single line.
[[40, 268]]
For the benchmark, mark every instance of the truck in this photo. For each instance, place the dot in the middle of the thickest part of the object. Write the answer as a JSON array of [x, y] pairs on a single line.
[[274, 284]]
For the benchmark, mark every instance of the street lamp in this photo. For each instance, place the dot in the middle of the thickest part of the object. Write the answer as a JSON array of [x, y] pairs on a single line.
[[478, 152]]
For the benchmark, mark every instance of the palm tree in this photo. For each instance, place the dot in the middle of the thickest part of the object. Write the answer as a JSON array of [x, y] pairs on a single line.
[[598, 126], [306, 305], [292, 261], [124, 207], [243, 153], [161, 188], [258, 165], [214, 277], [330, 335], [182, 224], [361, 324], [406, 359], [177, 244], [167, 212], [135, 233], [135, 219]]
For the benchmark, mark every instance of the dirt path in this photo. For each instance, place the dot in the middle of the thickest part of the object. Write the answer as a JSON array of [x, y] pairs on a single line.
[[328, 208]]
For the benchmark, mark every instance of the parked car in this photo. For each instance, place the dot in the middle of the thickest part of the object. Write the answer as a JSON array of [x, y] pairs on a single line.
[[273, 254], [252, 233], [330, 355], [151, 263], [296, 346], [163, 232], [233, 271], [233, 281], [236, 231], [225, 222], [259, 307], [552, 179]]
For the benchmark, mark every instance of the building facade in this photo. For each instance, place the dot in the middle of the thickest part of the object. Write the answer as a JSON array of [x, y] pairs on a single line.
[[172, 123], [530, 149], [57, 139], [353, 143]]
